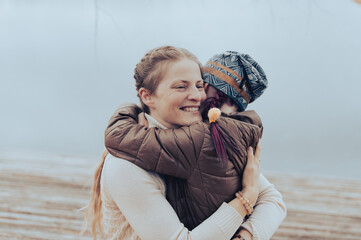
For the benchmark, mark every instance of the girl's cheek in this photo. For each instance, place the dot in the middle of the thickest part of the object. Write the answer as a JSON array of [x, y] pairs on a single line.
[[203, 96]]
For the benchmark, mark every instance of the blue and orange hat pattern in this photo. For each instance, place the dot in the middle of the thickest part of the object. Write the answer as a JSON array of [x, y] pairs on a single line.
[[237, 75]]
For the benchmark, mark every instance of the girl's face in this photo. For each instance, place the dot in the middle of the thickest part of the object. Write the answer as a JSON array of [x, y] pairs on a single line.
[[227, 107], [178, 97]]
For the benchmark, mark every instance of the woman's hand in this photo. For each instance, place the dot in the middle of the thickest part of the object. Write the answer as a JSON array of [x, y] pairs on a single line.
[[244, 234], [251, 175], [250, 181]]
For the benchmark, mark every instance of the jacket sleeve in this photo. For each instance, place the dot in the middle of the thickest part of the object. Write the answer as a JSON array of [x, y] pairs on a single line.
[[171, 152], [269, 212]]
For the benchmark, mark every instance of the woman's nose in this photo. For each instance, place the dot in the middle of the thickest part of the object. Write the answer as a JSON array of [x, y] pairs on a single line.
[[195, 94]]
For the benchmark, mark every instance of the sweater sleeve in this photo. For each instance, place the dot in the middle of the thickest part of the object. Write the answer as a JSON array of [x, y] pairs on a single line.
[[144, 206], [269, 212]]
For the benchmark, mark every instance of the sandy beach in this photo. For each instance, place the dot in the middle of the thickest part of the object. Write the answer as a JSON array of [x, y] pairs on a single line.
[[41, 199]]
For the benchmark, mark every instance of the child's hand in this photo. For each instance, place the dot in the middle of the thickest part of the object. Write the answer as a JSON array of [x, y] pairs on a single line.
[[142, 120]]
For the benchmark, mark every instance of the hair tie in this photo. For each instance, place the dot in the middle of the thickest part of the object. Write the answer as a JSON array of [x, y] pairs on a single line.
[[214, 114]]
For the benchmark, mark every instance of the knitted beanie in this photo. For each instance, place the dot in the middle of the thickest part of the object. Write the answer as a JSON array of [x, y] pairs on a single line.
[[237, 75]]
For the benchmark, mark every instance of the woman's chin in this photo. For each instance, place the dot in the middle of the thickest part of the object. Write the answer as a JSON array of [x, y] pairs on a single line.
[[191, 120]]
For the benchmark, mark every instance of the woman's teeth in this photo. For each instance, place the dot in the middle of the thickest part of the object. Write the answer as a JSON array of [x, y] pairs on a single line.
[[190, 109]]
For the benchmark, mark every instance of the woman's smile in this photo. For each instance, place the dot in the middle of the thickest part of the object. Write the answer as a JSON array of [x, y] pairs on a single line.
[[193, 109]]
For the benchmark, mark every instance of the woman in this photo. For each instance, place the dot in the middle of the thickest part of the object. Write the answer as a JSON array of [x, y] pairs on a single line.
[[133, 200]]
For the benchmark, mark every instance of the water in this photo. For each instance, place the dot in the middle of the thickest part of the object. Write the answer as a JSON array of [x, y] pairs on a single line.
[[66, 65]]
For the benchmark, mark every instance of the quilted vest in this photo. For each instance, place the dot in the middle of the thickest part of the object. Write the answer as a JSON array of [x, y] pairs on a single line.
[[198, 182]]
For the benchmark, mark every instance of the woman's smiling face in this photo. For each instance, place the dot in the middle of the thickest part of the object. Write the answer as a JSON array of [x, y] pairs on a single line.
[[177, 99]]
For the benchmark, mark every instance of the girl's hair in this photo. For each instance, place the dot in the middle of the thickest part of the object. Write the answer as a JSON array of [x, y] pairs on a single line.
[[148, 73], [218, 135], [151, 69]]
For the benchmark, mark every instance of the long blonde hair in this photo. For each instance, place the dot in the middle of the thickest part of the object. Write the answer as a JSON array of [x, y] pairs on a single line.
[[93, 213], [147, 74]]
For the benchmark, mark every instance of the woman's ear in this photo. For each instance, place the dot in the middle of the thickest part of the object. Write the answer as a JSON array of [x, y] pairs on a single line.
[[146, 97]]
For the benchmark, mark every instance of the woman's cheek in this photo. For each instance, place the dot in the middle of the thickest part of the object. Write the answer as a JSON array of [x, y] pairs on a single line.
[[176, 100]]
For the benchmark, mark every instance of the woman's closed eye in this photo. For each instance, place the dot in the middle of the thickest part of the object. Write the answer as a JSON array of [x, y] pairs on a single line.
[[181, 87], [200, 86]]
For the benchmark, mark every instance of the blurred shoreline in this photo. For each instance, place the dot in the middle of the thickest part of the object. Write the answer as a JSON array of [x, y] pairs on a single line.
[[269, 165]]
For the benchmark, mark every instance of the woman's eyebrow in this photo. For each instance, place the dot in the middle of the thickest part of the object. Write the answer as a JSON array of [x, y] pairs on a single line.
[[180, 81], [187, 81]]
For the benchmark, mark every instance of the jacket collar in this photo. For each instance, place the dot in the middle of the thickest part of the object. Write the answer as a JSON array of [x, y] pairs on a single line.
[[152, 122]]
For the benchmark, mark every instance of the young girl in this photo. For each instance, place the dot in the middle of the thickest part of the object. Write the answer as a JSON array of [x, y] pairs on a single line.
[[235, 81]]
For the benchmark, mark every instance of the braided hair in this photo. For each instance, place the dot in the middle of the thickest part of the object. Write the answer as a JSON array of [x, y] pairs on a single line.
[[220, 141]]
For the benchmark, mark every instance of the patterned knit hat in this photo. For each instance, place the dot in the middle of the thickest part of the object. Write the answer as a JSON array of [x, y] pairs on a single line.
[[237, 75]]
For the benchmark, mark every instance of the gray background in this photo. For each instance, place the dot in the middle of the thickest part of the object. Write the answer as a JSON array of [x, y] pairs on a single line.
[[65, 65]]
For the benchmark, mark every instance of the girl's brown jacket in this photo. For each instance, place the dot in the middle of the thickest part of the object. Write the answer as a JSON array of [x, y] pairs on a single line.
[[198, 182]]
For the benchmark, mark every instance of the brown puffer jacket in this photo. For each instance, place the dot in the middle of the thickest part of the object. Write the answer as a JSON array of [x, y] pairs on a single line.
[[198, 182]]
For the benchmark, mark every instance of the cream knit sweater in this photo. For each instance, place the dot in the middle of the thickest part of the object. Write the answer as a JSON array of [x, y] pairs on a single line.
[[134, 207]]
